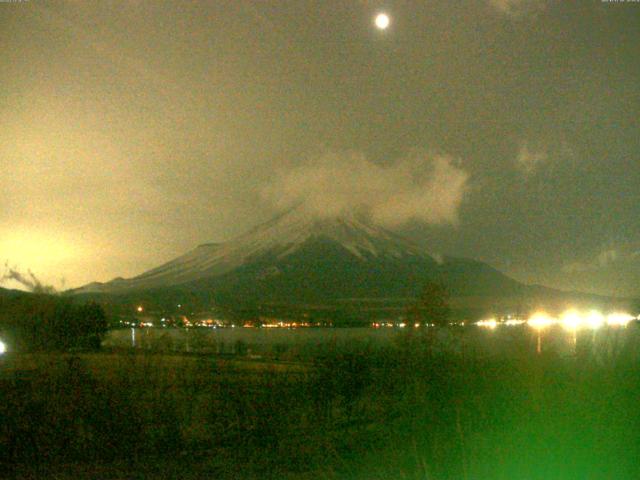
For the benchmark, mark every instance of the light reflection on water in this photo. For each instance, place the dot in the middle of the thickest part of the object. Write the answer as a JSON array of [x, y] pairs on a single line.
[[474, 340]]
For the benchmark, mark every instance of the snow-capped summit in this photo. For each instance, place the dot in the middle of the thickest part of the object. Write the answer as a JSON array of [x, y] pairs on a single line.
[[277, 238], [351, 231]]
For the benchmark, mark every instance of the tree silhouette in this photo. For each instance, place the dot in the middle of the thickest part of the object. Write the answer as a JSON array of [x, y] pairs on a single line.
[[51, 322], [432, 305]]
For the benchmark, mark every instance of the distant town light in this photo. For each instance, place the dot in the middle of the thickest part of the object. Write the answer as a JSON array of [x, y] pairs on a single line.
[[490, 323], [571, 320], [618, 319], [513, 321], [594, 319], [540, 320], [140, 309]]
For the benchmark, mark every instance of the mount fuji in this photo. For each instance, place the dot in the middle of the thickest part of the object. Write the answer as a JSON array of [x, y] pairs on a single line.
[[268, 245], [295, 259]]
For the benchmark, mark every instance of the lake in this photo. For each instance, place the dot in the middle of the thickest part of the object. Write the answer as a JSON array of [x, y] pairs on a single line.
[[301, 342]]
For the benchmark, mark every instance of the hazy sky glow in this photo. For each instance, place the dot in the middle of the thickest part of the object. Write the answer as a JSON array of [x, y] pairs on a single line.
[[502, 130]]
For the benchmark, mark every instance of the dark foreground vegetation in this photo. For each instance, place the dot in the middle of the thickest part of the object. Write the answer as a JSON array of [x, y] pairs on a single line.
[[48, 322], [407, 411]]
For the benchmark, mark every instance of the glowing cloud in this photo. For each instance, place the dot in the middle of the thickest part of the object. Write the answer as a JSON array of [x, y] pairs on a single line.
[[418, 187], [517, 8]]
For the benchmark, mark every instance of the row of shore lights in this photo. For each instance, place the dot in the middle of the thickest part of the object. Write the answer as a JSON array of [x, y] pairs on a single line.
[[570, 320]]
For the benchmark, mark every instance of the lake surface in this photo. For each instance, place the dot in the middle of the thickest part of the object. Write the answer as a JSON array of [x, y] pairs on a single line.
[[502, 339]]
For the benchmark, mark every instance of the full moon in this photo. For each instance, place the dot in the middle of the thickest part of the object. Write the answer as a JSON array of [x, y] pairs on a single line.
[[382, 21]]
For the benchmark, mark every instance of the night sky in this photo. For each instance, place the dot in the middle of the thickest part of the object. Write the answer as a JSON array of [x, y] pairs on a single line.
[[501, 130]]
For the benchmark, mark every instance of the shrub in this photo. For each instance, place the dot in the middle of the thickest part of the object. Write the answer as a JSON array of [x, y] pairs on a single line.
[[40, 322]]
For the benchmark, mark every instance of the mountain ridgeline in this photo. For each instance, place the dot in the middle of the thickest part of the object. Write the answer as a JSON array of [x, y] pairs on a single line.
[[332, 264]]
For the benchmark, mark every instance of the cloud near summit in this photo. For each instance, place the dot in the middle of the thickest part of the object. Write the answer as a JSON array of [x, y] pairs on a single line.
[[417, 187]]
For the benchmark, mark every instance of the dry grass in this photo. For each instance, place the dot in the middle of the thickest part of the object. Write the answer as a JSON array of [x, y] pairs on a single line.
[[401, 412]]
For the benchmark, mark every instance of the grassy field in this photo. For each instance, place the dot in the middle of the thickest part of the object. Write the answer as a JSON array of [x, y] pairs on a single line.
[[404, 411]]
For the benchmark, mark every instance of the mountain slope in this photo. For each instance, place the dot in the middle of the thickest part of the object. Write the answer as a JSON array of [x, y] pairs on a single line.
[[270, 243]]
